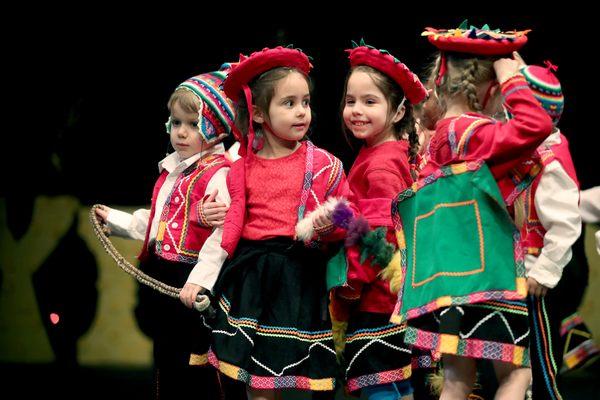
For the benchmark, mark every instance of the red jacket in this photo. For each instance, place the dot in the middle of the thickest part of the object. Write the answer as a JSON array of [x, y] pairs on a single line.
[[327, 180], [473, 137], [379, 173]]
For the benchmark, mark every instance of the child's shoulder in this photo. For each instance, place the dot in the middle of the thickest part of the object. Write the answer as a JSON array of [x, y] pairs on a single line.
[[323, 157], [466, 123]]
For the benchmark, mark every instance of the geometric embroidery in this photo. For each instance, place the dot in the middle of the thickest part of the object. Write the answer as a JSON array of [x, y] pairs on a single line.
[[320, 339]]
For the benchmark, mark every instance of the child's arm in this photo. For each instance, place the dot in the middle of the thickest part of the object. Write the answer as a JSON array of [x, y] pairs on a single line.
[[384, 185], [132, 226], [322, 222], [504, 144], [211, 256], [590, 205], [557, 205], [213, 212]]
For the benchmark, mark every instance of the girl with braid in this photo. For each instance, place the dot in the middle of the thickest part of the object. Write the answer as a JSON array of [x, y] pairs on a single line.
[[377, 107], [474, 311]]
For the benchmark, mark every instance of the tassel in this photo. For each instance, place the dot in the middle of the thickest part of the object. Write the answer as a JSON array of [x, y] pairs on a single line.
[[393, 272], [305, 227]]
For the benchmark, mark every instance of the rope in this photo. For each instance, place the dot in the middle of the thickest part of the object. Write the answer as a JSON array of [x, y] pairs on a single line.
[[101, 231]]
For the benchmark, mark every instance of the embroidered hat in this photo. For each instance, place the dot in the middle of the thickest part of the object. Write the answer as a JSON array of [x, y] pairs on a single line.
[[248, 68], [546, 88], [383, 61], [480, 41], [216, 109], [472, 40]]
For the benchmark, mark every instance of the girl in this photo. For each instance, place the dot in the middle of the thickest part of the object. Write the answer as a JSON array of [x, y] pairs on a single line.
[[272, 329], [375, 110], [176, 241], [456, 209]]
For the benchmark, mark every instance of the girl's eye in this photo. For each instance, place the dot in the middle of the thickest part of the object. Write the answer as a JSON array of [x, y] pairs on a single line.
[[288, 103], [195, 124], [175, 122], [306, 103], [350, 102]]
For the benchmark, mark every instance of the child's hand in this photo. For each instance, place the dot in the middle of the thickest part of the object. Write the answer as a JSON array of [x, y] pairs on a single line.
[[189, 292], [506, 68], [519, 59], [535, 288], [322, 220], [102, 213], [213, 211]]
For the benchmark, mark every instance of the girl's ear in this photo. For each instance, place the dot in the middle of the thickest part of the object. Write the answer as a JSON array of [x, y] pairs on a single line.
[[399, 113], [257, 115]]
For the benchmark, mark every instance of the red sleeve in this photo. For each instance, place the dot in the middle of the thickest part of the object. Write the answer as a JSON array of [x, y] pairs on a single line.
[[360, 274], [385, 183], [502, 144]]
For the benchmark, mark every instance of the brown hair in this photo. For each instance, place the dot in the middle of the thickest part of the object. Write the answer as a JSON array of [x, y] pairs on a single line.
[[394, 95], [464, 74], [187, 100]]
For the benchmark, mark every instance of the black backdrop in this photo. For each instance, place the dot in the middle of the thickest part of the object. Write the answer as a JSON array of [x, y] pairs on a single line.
[[91, 89]]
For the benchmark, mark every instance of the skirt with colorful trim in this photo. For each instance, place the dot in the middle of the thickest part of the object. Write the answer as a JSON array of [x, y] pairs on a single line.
[[375, 352], [272, 329], [492, 330]]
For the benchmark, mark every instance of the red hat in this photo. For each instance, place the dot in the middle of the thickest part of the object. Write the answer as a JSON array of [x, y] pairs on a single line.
[[472, 40], [384, 62], [262, 61], [248, 68], [480, 41]]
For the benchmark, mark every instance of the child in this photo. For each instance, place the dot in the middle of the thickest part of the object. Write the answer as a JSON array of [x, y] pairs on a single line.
[[375, 110], [176, 241], [272, 329], [547, 213], [463, 292]]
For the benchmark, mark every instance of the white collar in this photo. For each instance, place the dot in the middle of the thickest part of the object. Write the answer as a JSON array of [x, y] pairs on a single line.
[[553, 138], [172, 161]]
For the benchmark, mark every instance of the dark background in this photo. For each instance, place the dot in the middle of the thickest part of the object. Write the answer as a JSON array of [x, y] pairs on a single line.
[[95, 86], [87, 89]]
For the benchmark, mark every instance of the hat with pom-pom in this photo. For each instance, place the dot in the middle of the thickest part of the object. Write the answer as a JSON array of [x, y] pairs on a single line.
[[216, 115], [546, 88]]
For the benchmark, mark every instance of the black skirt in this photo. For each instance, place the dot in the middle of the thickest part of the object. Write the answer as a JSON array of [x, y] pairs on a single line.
[[492, 330], [375, 352], [272, 329]]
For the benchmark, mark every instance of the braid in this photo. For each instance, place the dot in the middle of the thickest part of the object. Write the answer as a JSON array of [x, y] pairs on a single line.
[[413, 150], [408, 126], [467, 84], [465, 74]]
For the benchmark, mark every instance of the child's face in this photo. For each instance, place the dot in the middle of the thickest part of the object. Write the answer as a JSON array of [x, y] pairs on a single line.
[[185, 134], [289, 110], [366, 109]]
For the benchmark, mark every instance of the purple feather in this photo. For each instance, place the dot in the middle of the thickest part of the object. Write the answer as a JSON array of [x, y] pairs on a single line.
[[342, 215], [358, 228]]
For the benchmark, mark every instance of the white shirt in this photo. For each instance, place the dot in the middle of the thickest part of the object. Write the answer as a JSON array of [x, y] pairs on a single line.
[[590, 209], [134, 226], [557, 205]]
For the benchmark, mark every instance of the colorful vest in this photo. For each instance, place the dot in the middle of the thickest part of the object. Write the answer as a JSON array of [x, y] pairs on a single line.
[[180, 234], [526, 217], [457, 241]]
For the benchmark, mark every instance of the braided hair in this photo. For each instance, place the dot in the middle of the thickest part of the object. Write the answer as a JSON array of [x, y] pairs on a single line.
[[465, 73]]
